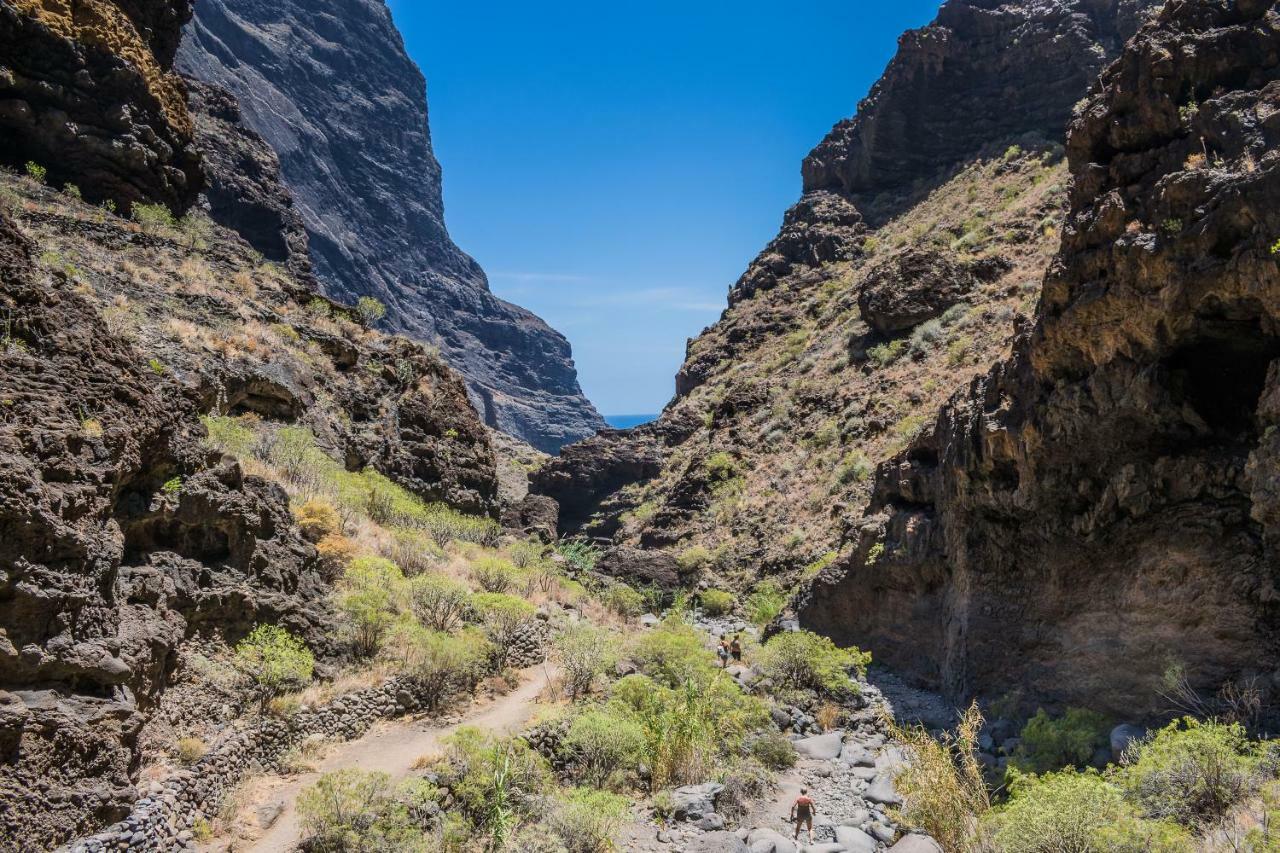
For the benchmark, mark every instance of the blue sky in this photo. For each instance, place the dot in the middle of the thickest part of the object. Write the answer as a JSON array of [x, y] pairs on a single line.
[[614, 167]]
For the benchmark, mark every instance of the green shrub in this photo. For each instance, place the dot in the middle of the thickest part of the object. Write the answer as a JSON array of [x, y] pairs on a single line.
[[941, 782], [36, 172], [855, 467], [766, 603], [586, 652], [1071, 811], [578, 553], [622, 599], [716, 602], [1190, 772], [371, 597], [774, 750], [493, 574], [275, 659], [438, 602], [1068, 741], [370, 310], [886, 354], [503, 617], [525, 554], [693, 559], [605, 744], [73, 192], [673, 653], [586, 820], [720, 466], [440, 662], [153, 217], [806, 661], [498, 783], [351, 811]]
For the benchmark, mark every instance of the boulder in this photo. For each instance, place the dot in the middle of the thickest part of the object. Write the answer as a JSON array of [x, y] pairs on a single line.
[[1123, 735], [826, 747], [766, 840], [916, 844], [638, 566], [912, 287], [882, 791], [691, 802], [855, 840], [717, 842]]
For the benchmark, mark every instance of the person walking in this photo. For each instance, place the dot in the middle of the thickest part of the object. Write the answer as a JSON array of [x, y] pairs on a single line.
[[802, 812], [735, 648], [722, 651]]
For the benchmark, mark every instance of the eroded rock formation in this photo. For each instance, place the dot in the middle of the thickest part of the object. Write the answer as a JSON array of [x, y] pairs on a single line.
[[365, 181], [1102, 506], [88, 92]]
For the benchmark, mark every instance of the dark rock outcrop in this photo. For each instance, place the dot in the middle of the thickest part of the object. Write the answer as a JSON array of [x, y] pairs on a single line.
[[362, 173], [983, 73], [910, 288], [243, 184], [87, 91], [105, 569], [1103, 506]]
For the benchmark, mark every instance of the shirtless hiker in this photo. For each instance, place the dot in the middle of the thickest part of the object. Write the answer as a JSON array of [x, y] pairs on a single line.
[[802, 812]]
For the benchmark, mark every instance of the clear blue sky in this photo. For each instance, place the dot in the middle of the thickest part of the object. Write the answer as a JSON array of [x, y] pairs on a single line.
[[614, 167]]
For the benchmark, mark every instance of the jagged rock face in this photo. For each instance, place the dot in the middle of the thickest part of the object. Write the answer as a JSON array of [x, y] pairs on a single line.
[[983, 72], [105, 570], [1103, 504], [243, 184], [87, 91], [367, 185]]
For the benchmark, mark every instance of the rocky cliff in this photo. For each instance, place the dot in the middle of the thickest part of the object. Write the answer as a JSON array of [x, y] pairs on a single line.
[[1100, 509], [916, 249], [368, 188], [87, 91]]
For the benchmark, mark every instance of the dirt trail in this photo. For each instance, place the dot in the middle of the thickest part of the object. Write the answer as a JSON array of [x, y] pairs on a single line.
[[390, 747]]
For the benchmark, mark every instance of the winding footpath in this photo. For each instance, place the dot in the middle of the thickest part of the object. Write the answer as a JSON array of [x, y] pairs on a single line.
[[390, 747]]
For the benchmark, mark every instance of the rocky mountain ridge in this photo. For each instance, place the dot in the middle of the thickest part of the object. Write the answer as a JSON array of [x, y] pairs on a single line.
[[893, 281], [1097, 511], [368, 190]]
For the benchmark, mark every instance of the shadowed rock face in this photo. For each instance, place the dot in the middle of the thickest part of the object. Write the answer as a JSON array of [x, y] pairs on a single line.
[[1105, 503], [87, 91], [367, 186], [104, 572]]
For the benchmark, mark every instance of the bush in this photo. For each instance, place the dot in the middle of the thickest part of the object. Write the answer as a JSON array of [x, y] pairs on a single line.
[[586, 653], [806, 661], [766, 603], [887, 353], [370, 310], [351, 810], [855, 467], [673, 653], [941, 783], [1190, 772], [153, 217], [720, 466], [317, 518], [693, 559], [716, 602], [191, 750], [413, 550], [440, 662], [337, 552], [373, 589], [493, 574], [503, 617], [745, 782], [275, 659], [622, 599], [605, 744], [524, 554], [497, 783], [774, 750], [578, 553], [438, 602], [586, 820], [1073, 811], [36, 172], [1069, 741]]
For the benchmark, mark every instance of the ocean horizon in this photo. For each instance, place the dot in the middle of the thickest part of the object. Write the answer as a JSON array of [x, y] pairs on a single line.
[[628, 421]]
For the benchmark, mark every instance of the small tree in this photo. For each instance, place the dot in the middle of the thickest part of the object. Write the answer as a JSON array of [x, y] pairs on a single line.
[[586, 652], [373, 588], [806, 661], [503, 617], [438, 602], [370, 311], [275, 659]]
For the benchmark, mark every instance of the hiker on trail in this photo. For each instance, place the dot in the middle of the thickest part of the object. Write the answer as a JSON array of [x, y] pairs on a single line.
[[722, 651], [802, 812], [735, 648]]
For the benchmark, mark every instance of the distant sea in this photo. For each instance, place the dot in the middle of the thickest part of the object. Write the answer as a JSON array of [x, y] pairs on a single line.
[[628, 421]]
